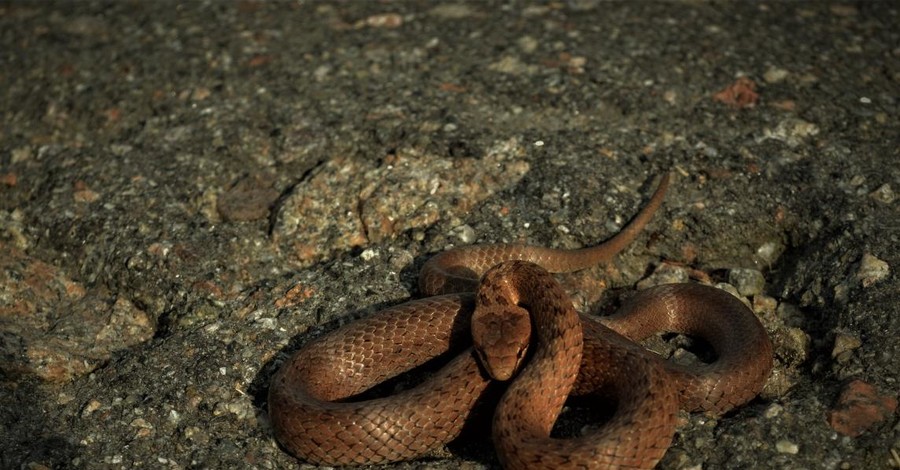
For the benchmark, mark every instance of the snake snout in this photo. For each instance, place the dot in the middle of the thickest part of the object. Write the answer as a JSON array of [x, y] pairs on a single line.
[[501, 367], [501, 337]]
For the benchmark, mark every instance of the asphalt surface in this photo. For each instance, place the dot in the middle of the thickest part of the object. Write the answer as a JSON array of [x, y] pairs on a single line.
[[189, 192]]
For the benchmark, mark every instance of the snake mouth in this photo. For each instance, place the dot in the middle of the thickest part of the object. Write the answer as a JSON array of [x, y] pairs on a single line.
[[502, 368], [488, 367]]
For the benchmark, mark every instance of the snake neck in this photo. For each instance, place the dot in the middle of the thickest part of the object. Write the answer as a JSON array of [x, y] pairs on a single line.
[[536, 396]]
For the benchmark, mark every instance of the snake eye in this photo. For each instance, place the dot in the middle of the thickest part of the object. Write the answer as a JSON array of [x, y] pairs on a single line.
[[482, 357], [521, 353]]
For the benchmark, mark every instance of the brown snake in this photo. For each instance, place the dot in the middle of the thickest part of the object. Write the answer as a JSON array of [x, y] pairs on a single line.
[[311, 396]]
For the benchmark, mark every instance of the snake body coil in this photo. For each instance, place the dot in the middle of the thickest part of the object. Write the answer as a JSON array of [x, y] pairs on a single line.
[[562, 353]]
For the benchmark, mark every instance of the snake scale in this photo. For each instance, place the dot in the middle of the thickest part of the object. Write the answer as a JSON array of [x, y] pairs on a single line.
[[525, 329]]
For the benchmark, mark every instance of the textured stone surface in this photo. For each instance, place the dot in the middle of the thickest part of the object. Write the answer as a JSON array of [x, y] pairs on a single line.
[[348, 203], [54, 328], [169, 177]]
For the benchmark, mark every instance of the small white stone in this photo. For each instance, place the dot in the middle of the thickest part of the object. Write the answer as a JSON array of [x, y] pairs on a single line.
[[748, 281], [872, 270], [465, 234], [368, 254], [91, 407], [774, 410], [785, 446], [844, 342], [775, 75], [174, 416], [769, 252], [884, 193], [267, 323]]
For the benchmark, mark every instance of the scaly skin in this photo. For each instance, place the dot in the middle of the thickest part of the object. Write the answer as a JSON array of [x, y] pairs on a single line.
[[570, 353]]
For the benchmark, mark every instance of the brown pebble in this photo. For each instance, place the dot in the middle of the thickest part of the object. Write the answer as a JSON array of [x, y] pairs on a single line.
[[740, 94], [859, 408]]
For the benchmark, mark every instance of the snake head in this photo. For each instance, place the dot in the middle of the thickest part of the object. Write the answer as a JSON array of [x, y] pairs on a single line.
[[501, 337]]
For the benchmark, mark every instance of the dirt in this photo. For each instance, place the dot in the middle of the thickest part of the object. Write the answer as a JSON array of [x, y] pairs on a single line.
[[189, 192]]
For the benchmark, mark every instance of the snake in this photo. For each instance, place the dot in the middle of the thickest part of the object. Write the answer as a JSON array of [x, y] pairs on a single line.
[[494, 313]]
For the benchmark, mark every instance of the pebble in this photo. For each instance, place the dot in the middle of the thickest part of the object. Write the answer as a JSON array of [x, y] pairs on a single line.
[[775, 75], [512, 66], [872, 270], [241, 408], [384, 20], [369, 254], [795, 346], [465, 234], [792, 131], [400, 259], [884, 193], [773, 411], [21, 154], [844, 343], [769, 252], [145, 429], [197, 435], [452, 10], [785, 446], [749, 282], [764, 305], [740, 94], [91, 407], [859, 408]]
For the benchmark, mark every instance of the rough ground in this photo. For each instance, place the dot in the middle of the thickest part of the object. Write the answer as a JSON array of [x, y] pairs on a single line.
[[189, 191]]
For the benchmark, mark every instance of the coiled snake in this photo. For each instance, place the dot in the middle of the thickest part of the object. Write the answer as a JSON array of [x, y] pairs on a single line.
[[525, 328]]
